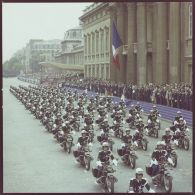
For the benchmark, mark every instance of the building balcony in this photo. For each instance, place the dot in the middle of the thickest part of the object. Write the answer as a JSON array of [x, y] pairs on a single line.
[[125, 49], [148, 45]]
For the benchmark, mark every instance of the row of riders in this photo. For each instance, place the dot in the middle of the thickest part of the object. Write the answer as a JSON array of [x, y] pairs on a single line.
[[64, 111]]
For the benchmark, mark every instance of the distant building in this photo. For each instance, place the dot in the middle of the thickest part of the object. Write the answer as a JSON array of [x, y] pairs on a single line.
[[71, 48], [38, 50], [156, 37]]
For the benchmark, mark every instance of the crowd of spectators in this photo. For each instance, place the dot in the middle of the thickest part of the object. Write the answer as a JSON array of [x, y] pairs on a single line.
[[177, 95]]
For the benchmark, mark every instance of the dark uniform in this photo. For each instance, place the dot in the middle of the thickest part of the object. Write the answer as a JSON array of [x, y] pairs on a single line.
[[167, 138], [139, 185], [104, 156]]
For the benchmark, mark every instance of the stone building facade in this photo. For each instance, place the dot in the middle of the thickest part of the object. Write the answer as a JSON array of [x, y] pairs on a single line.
[[156, 37], [71, 48], [96, 29]]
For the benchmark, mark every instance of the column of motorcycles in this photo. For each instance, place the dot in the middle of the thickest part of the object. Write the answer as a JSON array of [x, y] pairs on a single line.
[[63, 112]]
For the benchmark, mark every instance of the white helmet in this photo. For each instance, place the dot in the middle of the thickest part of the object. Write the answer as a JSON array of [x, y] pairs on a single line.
[[167, 130], [105, 144], [178, 112], [139, 171], [140, 120], [158, 143]]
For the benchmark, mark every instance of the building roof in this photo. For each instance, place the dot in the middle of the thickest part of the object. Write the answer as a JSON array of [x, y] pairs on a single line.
[[62, 66]]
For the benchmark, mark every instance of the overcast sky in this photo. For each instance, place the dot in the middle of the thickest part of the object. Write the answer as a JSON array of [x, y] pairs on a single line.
[[24, 21]]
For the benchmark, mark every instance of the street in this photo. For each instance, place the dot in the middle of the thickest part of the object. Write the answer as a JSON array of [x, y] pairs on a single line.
[[33, 160]]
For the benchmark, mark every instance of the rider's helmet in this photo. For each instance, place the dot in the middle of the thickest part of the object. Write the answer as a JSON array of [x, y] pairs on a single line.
[[139, 171], [181, 120], [132, 105], [159, 145], [154, 106], [58, 114], [127, 131], [105, 120], [167, 131], [178, 112], [83, 133], [105, 146], [140, 120]]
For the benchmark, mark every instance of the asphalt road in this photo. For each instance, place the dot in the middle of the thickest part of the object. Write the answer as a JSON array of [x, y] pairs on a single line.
[[33, 161]]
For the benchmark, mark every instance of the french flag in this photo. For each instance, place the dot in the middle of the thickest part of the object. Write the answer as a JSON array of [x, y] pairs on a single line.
[[116, 44]]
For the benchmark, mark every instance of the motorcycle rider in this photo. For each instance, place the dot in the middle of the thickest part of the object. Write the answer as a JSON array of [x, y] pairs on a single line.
[[88, 119], [138, 107], [167, 137], [127, 139], [137, 136], [140, 125], [160, 151], [155, 111], [58, 120], [104, 156], [138, 183], [178, 116]]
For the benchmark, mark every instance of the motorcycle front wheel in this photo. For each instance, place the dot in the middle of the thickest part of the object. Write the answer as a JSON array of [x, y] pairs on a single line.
[[186, 144], [69, 147], [174, 158], [167, 184], [87, 164], [110, 185], [145, 145], [132, 162]]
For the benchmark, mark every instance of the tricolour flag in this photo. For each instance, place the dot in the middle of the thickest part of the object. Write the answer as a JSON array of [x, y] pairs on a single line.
[[116, 44]]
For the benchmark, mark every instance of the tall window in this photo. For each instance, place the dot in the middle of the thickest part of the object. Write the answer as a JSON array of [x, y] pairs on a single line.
[[97, 42], [89, 45], [85, 44], [107, 39], [102, 41], [190, 20], [93, 43]]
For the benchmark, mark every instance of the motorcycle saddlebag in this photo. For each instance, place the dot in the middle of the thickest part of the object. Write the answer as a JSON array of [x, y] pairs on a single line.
[[149, 170], [75, 153], [120, 152], [97, 121], [127, 120], [95, 172], [99, 138]]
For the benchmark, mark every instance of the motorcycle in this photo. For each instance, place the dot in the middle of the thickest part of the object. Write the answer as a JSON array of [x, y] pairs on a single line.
[[184, 141], [163, 178], [128, 156], [83, 157], [151, 130], [106, 138], [172, 154], [107, 177], [67, 143], [118, 131], [141, 144]]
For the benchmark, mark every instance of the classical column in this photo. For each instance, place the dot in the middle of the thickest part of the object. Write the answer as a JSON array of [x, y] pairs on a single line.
[[131, 64], [174, 42], [120, 28], [160, 74], [141, 43]]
